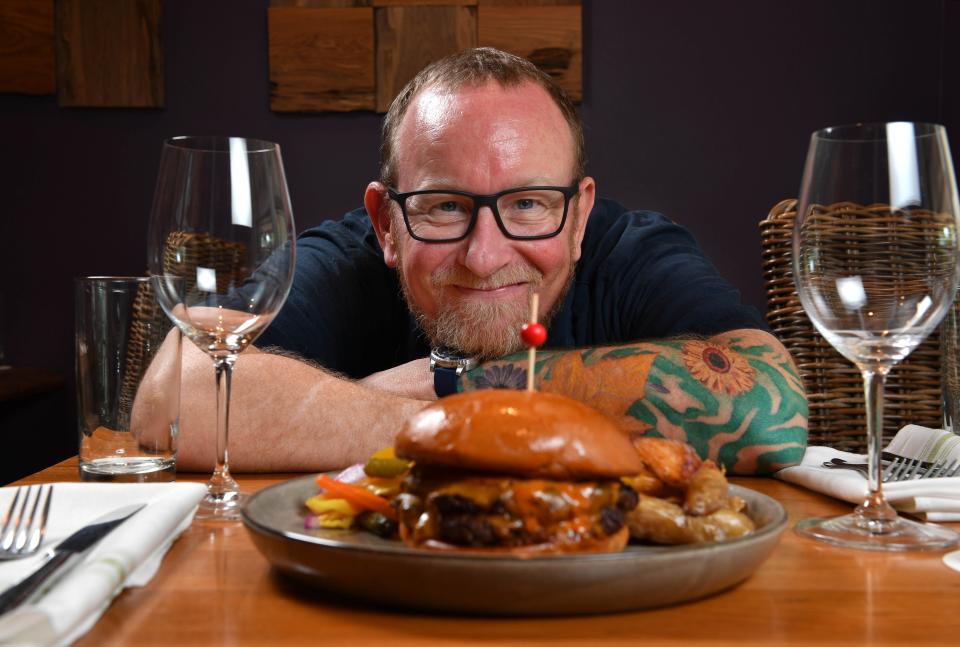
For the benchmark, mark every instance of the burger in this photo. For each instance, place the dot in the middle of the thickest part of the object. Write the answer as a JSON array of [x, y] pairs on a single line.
[[515, 472]]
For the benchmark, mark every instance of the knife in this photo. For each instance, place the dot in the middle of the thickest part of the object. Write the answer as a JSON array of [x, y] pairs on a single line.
[[67, 554]]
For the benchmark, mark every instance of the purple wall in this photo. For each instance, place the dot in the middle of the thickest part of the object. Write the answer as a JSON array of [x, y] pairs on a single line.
[[706, 114], [700, 110]]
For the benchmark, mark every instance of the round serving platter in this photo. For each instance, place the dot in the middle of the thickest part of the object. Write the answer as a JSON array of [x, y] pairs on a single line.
[[368, 568]]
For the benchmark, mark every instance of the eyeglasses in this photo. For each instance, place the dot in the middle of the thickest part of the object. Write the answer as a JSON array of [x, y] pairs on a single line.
[[446, 216]]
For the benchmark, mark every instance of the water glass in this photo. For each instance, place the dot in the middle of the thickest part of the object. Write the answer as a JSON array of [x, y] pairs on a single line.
[[128, 381]]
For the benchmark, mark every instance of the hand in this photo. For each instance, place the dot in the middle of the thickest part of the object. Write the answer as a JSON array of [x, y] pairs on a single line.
[[410, 380], [155, 404]]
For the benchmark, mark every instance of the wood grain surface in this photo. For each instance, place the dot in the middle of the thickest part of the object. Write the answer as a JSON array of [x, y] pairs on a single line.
[[321, 59], [215, 588], [528, 3], [329, 4], [413, 3], [408, 3], [109, 53], [26, 47], [408, 38], [550, 37]]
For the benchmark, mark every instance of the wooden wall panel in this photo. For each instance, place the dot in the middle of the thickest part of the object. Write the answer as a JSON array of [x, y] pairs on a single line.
[[321, 4], [410, 37], [550, 36], [26, 46], [321, 59], [538, 3], [109, 53], [414, 3]]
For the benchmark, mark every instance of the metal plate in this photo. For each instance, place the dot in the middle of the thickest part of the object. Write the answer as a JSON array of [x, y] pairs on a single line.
[[365, 567]]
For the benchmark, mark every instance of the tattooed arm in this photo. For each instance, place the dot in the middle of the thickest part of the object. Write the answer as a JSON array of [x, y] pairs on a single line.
[[736, 396]]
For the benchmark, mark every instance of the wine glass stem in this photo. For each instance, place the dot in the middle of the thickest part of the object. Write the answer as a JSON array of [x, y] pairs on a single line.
[[221, 481], [875, 514]]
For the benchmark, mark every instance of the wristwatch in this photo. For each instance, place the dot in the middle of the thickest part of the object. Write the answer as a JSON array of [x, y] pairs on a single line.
[[447, 365]]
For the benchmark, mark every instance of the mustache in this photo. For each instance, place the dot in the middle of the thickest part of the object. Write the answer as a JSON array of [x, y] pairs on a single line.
[[510, 275]]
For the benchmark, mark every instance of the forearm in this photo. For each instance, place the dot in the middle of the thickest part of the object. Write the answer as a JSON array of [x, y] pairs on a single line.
[[736, 397], [285, 415]]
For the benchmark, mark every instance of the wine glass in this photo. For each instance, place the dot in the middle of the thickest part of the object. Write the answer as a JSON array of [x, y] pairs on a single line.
[[876, 264], [221, 254]]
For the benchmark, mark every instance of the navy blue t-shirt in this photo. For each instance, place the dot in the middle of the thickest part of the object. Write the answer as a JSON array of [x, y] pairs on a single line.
[[640, 276]]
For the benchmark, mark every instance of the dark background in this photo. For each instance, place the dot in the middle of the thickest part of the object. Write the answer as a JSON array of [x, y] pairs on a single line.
[[701, 110]]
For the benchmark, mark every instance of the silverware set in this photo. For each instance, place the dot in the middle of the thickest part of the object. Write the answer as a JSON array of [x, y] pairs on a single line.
[[900, 468], [23, 528]]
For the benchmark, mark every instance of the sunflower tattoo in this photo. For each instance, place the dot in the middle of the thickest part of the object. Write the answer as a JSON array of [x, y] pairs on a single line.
[[504, 376], [718, 367]]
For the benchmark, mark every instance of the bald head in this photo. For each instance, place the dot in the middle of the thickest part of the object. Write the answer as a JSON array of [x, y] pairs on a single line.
[[473, 68]]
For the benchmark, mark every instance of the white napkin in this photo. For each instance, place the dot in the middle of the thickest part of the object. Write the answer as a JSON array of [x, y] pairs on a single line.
[[129, 556], [952, 560], [933, 499]]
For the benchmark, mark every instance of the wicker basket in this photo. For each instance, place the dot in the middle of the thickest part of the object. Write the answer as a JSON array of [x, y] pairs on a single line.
[[147, 331], [188, 250], [834, 385], [185, 252]]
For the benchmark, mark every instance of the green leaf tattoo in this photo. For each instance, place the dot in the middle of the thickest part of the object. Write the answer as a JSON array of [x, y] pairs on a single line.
[[736, 398]]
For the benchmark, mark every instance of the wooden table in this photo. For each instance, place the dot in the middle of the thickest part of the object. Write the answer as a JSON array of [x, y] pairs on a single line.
[[17, 383], [215, 588]]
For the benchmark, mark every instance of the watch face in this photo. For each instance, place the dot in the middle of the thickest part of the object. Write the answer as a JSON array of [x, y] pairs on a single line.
[[450, 358], [448, 355]]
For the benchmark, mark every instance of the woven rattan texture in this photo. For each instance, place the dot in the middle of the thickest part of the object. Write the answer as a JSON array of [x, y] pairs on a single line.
[[147, 329], [834, 385], [185, 252]]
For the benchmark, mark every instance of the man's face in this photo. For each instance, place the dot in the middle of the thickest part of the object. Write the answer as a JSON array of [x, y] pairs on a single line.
[[474, 294]]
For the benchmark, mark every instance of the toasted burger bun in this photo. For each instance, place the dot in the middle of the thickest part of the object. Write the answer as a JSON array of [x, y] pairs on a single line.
[[606, 544], [533, 435]]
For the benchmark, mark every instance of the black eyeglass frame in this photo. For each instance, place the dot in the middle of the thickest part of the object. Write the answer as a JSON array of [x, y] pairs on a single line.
[[484, 200]]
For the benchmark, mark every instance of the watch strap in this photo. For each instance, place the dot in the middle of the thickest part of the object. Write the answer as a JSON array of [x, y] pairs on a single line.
[[447, 367], [445, 380]]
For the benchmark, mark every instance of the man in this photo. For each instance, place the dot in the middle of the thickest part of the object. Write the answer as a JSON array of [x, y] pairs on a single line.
[[483, 200]]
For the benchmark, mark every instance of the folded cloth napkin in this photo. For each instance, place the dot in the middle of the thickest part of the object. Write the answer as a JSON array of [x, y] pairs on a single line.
[[952, 560], [933, 499], [129, 556]]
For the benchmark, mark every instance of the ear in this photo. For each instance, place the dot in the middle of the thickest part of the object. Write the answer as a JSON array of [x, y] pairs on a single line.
[[378, 209], [584, 206]]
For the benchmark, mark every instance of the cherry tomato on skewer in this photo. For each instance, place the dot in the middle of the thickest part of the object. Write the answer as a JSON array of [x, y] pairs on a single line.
[[533, 334]]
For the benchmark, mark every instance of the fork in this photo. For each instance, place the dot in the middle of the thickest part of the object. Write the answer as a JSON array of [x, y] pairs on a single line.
[[942, 468], [23, 531], [905, 469], [901, 468]]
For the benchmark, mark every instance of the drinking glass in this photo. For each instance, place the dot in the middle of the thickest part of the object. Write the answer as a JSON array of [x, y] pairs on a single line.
[[876, 264], [221, 254], [128, 381]]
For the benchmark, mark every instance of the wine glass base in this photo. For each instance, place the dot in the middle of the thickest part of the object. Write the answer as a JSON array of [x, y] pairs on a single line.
[[903, 534], [220, 507]]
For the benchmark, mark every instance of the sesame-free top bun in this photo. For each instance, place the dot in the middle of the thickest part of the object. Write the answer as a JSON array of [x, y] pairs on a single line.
[[532, 435]]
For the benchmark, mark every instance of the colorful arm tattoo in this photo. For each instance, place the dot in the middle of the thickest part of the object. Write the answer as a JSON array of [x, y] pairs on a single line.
[[736, 397]]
